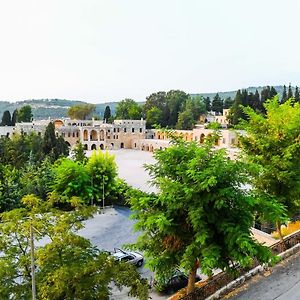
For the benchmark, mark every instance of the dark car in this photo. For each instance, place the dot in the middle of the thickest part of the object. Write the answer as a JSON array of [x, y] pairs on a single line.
[[178, 281]]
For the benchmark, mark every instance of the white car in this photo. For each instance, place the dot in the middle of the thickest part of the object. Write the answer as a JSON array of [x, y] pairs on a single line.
[[131, 257]]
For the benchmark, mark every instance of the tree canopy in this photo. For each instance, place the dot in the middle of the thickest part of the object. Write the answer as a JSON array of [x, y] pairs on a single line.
[[272, 143], [128, 109], [25, 114], [81, 112], [201, 215]]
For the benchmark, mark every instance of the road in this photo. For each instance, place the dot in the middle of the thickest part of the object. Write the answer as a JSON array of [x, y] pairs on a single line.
[[283, 283], [111, 229]]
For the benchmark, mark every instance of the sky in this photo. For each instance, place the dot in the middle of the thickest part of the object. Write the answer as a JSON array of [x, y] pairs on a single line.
[[100, 51]]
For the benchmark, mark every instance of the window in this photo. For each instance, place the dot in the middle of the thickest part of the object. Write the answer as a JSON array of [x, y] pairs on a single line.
[[125, 129], [132, 130], [141, 130]]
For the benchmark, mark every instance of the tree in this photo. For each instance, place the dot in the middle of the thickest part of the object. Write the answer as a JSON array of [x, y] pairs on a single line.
[[78, 153], [272, 143], [236, 113], [81, 112], [297, 96], [14, 117], [102, 170], [284, 95], [6, 119], [128, 109], [153, 117], [107, 114], [71, 179], [67, 267], [228, 102], [290, 92], [207, 104], [201, 216], [176, 100], [25, 114], [49, 140], [186, 120], [217, 104], [158, 100]]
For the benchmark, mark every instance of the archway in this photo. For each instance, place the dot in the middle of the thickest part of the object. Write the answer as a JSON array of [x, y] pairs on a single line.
[[85, 135], [122, 145], [93, 147], [202, 137], [101, 146], [112, 145], [85, 146], [101, 135], [94, 136]]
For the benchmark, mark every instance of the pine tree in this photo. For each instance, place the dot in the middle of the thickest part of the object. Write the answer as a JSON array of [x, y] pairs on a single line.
[[14, 117], [290, 92], [273, 92], [6, 119], [284, 95], [297, 96], [107, 114], [217, 104], [207, 104]]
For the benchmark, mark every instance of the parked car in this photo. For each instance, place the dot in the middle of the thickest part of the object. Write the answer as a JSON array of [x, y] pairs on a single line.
[[178, 281], [131, 257]]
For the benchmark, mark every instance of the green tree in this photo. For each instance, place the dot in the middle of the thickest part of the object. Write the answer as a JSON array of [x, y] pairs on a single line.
[[6, 119], [186, 120], [207, 103], [201, 216], [159, 101], [272, 143], [236, 113], [49, 140], [290, 92], [153, 117], [67, 267], [25, 114], [70, 179], [297, 96], [81, 112], [217, 104], [78, 153], [128, 109], [228, 102], [176, 101], [284, 95], [102, 170], [107, 114], [14, 117]]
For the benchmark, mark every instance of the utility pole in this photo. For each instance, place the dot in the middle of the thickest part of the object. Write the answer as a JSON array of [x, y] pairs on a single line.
[[32, 262], [103, 191]]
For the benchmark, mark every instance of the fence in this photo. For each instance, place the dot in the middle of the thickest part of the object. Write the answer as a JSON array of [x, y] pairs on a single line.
[[222, 279]]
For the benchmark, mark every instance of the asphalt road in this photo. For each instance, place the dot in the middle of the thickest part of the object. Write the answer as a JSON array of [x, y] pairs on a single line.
[[283, 283], [111, 229]]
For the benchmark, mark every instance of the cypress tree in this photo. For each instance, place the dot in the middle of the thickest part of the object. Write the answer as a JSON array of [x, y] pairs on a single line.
[[273, 92], [217, 104], [290, 92], [6, 119], [14, 117], [107, 114], [297, 96], [49, 141], [207, 104], [284, 95]]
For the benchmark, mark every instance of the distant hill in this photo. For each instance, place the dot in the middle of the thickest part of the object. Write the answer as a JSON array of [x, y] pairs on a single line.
[[224, 95], [57, 108], [50, 108]]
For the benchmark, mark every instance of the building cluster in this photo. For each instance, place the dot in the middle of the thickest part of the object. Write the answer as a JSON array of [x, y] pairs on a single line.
[[127, 134]]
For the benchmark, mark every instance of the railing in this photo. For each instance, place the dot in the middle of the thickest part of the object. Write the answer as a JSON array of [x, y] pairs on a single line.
[[222, 279]]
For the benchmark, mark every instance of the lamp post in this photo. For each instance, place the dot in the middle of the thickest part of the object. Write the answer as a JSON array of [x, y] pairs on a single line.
[[103, 191]]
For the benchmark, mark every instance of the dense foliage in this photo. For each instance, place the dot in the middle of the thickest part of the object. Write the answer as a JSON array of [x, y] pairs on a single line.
[[272, 143], [66, 265], [202, 215]]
